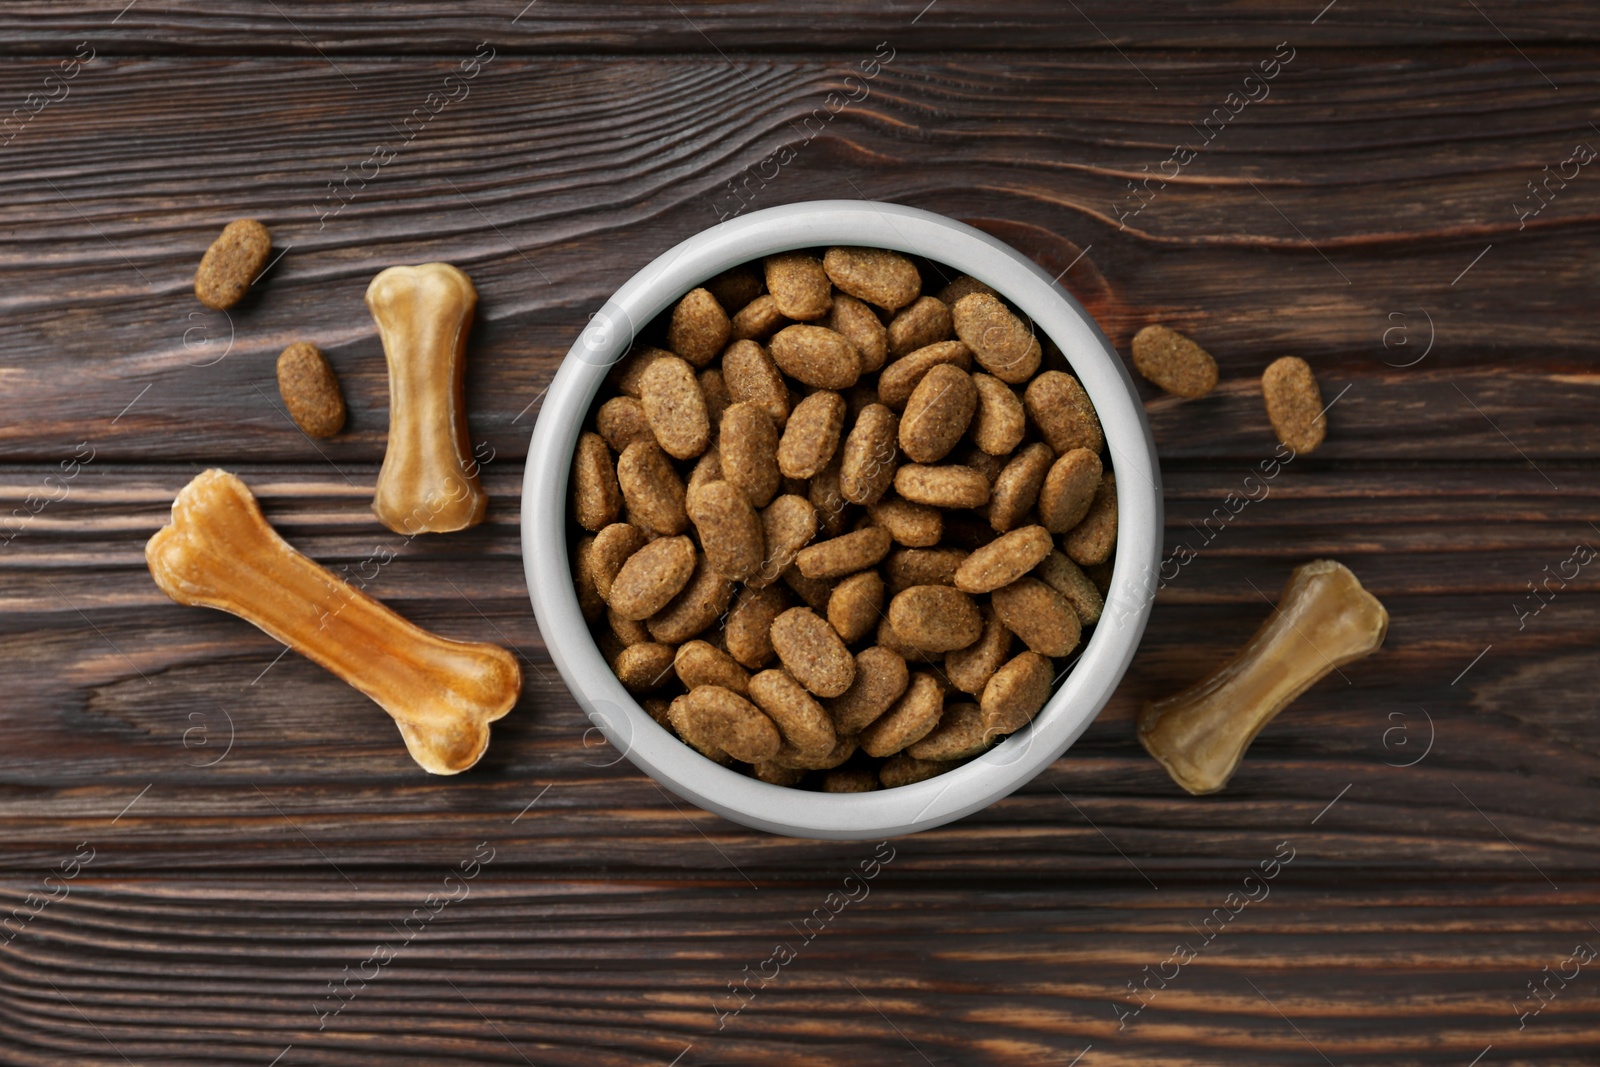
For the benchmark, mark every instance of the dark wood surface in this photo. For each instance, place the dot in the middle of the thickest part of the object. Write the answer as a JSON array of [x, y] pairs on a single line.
[[256, 827]]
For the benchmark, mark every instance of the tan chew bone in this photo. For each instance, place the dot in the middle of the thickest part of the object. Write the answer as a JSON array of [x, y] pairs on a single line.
[[220, 552], [429, 481], [1324, 620]]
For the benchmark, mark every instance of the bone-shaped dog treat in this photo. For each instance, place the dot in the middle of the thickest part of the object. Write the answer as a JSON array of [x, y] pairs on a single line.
[[220, 552], [429, 481], [1324, 620]]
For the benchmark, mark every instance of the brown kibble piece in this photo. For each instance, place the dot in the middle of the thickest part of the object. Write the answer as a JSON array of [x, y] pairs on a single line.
[[1092, 539], [961, 287], [675, 408], [774, 773], [700, 663], [935, 618], [699, 327], [752, 377], [911, 718], [1002, 343], [627, 631], [907, 567], [736, 287], [621, 422], [1294, 404], [1059, 407], [233, 261], [856, 605], [814, 591], [1004, 560], [942, 487], [788, 524], [969, 669], [811, 651], [732, 723], [729, 529], [1173, 362], [900, 378], [1000, 421], [609, 550], [881, 676], [924, 323], [850, 781], [805, 726], [688, 728], [876, 275], [887, 638], [816, 356], [692, 611], [748, 444], [1016, 693], [845, 554], [907, 770], [707, 469], [1069, 490], [644, 667], [652, 489], [757, 320], [1038, 615], [812, 435], [798, 285], [629, 371], [651, 577], [961, 734], [1065, 577], [590, 602], [310, 390], [596, 496], [937, 414], [749, 625], [912, 525], [858, 324], [714, 387], [1016, 490], [870, 455], [789, 756]]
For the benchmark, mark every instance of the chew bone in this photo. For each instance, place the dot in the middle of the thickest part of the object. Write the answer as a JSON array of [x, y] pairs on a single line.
[[220, 552], [1324, 619], [429, 482]]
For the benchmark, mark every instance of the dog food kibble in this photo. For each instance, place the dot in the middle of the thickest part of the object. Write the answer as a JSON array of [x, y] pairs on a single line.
[[1173, 362], [1294, 403], [232, 262], [840, 534], [310, 390]]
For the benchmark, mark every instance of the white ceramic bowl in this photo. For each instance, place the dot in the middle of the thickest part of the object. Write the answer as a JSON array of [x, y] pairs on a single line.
[[1088, 684]]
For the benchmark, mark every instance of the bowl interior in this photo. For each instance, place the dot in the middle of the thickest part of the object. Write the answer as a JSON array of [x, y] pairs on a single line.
[[1080, 695]]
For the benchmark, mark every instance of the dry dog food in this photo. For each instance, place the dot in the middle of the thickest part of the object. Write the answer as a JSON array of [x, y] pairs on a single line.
[[1294, 403], [838, 523], [1172, 361], [232, 262], [310, 390]]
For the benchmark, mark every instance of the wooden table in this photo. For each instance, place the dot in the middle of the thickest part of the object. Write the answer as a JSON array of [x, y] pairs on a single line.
[[223, 850]]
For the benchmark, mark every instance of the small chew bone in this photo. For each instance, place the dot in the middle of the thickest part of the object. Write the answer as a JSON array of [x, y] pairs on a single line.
[[219, 552], [1325, 619], [429, 481]]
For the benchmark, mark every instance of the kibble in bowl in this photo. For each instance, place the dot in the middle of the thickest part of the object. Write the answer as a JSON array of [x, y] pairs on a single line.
[[816, 506]]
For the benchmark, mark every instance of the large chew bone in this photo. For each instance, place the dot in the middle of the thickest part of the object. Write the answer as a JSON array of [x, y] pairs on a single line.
[[219, 552], [429, 481], [1324, 620]]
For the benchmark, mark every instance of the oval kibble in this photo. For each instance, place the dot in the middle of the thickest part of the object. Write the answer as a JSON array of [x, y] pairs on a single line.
[[736, 287], [856, 605], [961, 287], [752, 377], [232, 263], [911, 718], [1059, 407], [627, 631], [651, 577], [652, 489], [749, 625], [1039, 616], [758, 320], [611, 548], [969, 669], [1294, 404], [689, 729], [1004, 560], [816, 356], [732, 723], [729, 529], [944, 487], [850, 781], [1064, 576], [789, 756], [590, 602], [881, 676], [906, 567], [937, 414], [814, 592], [904, 769], [798, 285], [858, 324], [1068, 490], [675, 408], [1016, 489], [935, 618], [699, 327], [692, 611], [1001, 421], [310, 390], [1016, 693], [887, 638], [707, 469], [845, 554], [596, 494], [812, 435], [788, 524], [961, 734], [645, 667], [876, 275], [1092, 540], [748, 444], [900, 378], [621, 422], [803, 723], [912, 525], [812, 652], [925, 322], [774, 773], [870, 455], [1173, 362], [715, 390], [1002, 344], [700, 663]]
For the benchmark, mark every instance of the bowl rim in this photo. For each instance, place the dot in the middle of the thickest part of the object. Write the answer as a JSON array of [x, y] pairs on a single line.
[[1090, 678]]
